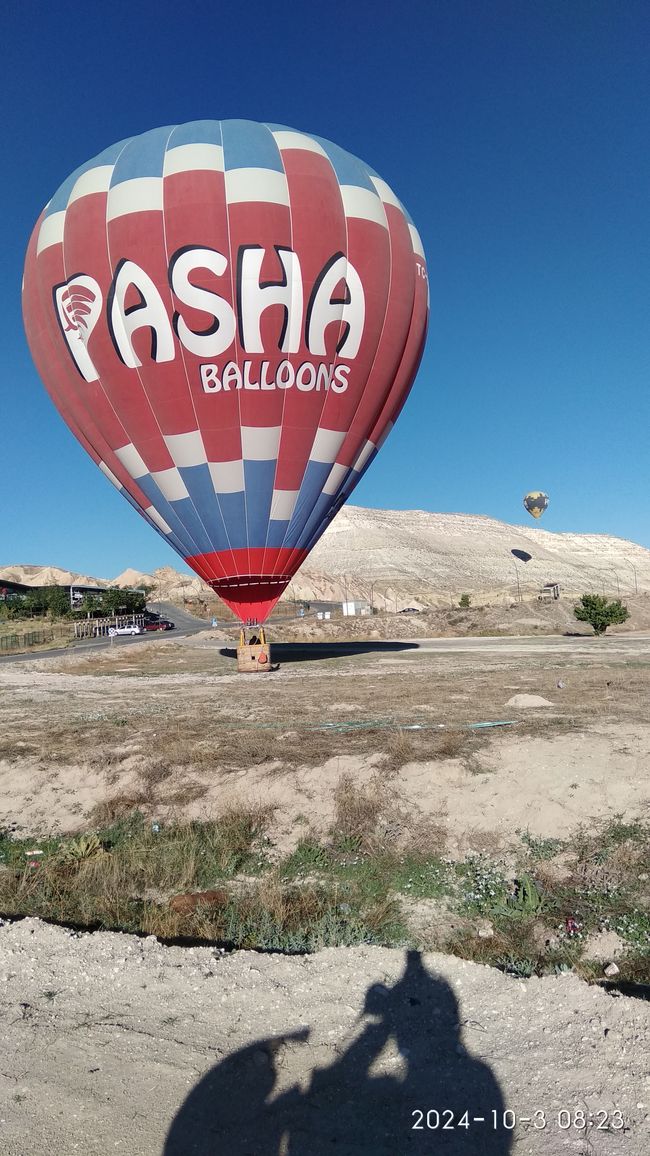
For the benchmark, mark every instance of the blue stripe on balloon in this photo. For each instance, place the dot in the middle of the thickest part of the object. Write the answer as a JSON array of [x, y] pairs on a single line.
[[109, 156], [318, 514], [313, 481], [196, 132], [316, 522], [171, 538], [258, 480], [143, 156], [249, 145], [194, 528], [200, 487], [277, 533], [349, 170], [233, 512], [167, 511]]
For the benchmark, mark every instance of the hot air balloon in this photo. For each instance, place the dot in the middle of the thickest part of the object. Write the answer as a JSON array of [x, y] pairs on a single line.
[[522, 555], [536, 502], [229, 317]]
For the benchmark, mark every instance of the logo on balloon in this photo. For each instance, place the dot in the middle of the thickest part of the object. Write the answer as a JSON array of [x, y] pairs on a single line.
[[78, 303], [134, 302]]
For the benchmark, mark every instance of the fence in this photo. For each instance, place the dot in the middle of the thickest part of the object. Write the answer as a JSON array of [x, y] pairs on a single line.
[[24, 641], [97, 627]]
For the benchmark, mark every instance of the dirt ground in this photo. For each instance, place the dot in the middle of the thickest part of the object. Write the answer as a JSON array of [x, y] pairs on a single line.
[[118, 1044], [114, 1043], [80, 730]]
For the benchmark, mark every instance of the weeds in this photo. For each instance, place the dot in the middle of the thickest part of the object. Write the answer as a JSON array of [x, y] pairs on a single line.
[[213, 881], [540, 848], [357, 810]]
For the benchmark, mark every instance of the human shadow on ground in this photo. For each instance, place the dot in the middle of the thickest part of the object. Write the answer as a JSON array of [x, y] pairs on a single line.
[[435, 1097], [309, 651]]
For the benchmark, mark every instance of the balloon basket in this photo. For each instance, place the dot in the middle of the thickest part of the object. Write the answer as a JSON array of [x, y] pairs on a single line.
[[253, 653]]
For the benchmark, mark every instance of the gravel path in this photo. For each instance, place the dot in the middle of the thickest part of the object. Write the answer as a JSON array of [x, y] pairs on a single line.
[[116, 1044]]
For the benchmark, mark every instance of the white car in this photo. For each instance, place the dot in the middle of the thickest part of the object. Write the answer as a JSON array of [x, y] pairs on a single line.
[[133, 629]]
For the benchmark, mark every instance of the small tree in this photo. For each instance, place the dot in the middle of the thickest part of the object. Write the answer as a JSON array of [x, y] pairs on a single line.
[[595, 609], [57, 601], [464, 601]]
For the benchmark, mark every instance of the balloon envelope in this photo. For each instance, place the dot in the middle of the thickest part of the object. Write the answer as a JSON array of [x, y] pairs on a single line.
[[536, 502], [229, 316], [521, 555]]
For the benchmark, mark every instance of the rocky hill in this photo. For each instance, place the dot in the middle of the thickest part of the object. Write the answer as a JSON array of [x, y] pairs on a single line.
[[417, 558], [430, 559]]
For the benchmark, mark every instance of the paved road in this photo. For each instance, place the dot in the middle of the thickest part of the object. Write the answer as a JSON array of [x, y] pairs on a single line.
[[635, 645], [184, 622], [582, 644], [630, 645]]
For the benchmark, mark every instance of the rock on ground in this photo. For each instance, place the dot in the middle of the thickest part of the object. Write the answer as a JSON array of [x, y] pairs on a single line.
[[113, 1043], [528, 701]]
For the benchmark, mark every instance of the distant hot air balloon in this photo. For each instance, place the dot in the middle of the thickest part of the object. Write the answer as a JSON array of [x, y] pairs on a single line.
[[521, 555], [229, 316], [536, 502]]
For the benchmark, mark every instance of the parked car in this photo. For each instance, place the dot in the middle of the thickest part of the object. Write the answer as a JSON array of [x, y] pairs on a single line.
[[133, 628], [409, 610], [159, 624]]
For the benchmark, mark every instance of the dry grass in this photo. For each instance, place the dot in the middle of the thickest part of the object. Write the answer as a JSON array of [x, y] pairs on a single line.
[[357, 809], [111, 810]]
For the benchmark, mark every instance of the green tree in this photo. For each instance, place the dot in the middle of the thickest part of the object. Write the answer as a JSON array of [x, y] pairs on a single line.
[[599, 613], [57, 600], [464, 601], [115, 600]]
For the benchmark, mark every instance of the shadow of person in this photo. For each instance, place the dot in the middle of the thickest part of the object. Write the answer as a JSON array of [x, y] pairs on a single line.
[[406, 1084]]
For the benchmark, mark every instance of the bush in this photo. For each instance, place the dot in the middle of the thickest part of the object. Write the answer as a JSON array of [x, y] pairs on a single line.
[[599, 613], [464, 601]]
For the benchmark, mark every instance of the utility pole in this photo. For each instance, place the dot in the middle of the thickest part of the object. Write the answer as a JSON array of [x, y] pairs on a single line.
[[517, 577], [636, 584]]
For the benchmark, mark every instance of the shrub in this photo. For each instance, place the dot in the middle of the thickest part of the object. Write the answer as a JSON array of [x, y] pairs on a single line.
[[599, 613]]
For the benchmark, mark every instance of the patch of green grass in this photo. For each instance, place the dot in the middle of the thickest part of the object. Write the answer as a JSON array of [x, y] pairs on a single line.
[[600, 841], [307, 919], [420, 877], [308, 857], [540, 849], [483, 887], [634, 928], [515, 965]]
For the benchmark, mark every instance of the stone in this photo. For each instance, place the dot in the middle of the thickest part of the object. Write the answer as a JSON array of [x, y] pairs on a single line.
[[528, 701], [185, 904], [605, 946], [611, 969]]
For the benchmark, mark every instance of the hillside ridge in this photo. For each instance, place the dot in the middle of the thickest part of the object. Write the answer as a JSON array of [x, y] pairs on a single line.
[[425, 557]]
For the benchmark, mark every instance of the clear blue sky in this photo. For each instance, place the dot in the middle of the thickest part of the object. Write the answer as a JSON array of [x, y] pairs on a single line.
[[516, 134]]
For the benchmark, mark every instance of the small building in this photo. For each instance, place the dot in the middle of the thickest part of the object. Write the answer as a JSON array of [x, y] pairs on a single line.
[[550, 592], [351, 609], [11, 590]]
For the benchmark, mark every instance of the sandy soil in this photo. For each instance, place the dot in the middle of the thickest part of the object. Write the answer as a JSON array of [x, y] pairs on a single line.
[[112, 1043], [80, 729]]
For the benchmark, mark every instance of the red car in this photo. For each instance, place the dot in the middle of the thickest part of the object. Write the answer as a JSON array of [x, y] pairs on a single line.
[[159, 624]]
